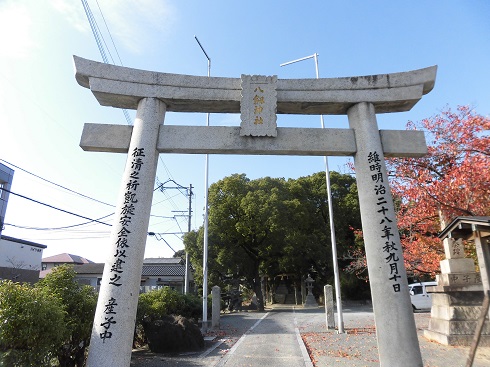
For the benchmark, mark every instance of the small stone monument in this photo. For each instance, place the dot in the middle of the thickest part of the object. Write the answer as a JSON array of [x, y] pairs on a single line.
[[329, 315], [310, 301], [216, 307]]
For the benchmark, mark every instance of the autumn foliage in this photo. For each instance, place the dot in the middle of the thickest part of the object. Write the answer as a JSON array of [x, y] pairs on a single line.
[[452, 180]]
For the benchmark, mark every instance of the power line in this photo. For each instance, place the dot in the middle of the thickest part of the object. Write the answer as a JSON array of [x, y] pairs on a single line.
[[110, 36], [58, 228], [53, 207], [159, 237], [99, 39], [100, 44], [55, 184]]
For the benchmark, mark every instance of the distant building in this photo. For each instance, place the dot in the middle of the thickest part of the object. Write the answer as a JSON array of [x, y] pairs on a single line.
[[156, 273], [6, 177], [89, 274], [48, 263], [165, 272], [20, 260]]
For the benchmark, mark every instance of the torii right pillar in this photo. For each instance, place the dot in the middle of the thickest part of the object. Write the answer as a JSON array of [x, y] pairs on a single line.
[[395, 325]]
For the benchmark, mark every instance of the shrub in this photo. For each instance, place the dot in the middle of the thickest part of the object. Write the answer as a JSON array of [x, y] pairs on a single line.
[[165, 301], [191, 306], [78, 302], [31, 325]]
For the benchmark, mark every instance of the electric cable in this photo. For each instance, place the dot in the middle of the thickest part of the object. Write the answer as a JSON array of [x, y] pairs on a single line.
[[99, 39], [110, 35], [55, 184], [58, 228], [53, 207]]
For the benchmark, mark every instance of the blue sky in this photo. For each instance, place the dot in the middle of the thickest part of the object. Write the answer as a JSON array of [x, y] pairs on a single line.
[[43, 109]]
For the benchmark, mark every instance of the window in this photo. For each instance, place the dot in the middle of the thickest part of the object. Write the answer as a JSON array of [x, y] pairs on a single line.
[[44, 266], [417, 289]]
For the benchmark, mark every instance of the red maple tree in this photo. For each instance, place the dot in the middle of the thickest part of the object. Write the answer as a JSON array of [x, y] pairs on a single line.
[[453, 179]]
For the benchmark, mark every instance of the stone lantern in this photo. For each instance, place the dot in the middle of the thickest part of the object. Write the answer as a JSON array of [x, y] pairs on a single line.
[[310, 299]]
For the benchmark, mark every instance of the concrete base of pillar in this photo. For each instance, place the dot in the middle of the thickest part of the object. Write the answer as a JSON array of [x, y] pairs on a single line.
[[454, 314], [455, 340], [205, 326]]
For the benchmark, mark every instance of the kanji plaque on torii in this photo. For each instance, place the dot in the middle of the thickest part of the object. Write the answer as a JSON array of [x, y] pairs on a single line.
[[153, 93], [258, 105]]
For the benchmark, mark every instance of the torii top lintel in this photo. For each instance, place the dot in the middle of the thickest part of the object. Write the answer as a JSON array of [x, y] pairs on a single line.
[[123, 87]]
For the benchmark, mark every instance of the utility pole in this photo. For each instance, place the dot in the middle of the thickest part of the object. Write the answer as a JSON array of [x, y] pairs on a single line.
[[180, 187], [330, 213], [206, 219]]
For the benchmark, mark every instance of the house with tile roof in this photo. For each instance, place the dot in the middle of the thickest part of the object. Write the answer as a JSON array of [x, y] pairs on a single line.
[[165, 272], [48, 263], [156, 273]]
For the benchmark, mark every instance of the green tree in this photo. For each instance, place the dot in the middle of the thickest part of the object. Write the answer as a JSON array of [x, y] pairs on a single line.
[[31, 325], [194, 243], [272, 226], [180, 253], [311, 225], [246, 221], [78, 302]]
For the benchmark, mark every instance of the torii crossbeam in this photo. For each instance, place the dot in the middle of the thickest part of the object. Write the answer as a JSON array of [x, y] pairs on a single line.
[[258, 99]]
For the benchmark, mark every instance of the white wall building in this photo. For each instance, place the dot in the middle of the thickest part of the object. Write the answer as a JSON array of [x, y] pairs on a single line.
[[20, 261]]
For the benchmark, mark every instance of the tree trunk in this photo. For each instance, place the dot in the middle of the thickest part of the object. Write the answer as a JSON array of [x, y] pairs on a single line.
[[258, 292], [80, 357]]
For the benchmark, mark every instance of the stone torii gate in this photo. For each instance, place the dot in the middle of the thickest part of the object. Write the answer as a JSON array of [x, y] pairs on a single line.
[[258, 99]]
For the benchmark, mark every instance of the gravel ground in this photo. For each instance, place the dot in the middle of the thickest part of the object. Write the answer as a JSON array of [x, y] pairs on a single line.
[[358, 346], [217, 344]]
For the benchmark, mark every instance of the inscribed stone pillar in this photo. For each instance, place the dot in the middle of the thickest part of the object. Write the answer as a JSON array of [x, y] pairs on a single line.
[[216, 307], [112, 333], [329, 315], [395, 325]]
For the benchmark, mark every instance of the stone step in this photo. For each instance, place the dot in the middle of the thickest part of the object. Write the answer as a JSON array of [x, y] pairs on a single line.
[[456, 340], [469, 298], [456, 327], [456, 312], [291, 300]]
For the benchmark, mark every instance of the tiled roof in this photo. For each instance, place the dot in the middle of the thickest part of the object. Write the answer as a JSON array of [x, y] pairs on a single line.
[[90, 268], [148, 270], [163, 260], [159, 270], [66, 259], [94, 268]]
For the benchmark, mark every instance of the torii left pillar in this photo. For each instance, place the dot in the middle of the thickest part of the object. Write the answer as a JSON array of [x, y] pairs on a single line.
[[118, 297]]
